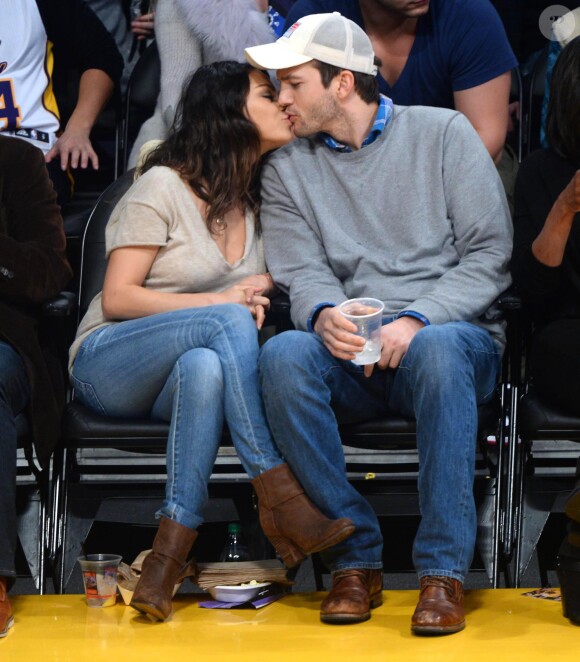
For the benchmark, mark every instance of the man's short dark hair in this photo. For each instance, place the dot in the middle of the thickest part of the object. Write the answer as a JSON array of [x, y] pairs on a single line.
[[364, 84]]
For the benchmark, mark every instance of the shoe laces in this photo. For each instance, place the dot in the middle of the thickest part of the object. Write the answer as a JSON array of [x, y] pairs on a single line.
[[446, 583]]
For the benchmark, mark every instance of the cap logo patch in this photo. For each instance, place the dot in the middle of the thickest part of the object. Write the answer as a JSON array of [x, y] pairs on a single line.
[[291, 29]]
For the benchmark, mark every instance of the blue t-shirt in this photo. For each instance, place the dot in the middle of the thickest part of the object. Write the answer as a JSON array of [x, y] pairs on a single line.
[[459, 44]]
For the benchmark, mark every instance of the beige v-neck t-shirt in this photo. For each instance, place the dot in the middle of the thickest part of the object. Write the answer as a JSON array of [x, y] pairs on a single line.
[[160, 210]]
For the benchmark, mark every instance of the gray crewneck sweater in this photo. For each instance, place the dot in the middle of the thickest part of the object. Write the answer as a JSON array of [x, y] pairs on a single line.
[[417, 218]]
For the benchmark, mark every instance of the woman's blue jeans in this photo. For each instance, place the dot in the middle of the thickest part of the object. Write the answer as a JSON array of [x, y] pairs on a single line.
[[447, 371], [194, 368]]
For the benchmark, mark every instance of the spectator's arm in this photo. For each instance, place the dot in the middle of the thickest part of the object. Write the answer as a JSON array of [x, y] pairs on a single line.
[[74, 144], [549, 246], [486, 107], [81, 40], [536, 281]]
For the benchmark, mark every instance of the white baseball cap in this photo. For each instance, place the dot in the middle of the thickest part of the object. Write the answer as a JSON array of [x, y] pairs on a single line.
[[330, 38]]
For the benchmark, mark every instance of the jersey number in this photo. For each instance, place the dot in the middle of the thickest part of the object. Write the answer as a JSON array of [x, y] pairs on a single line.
[[9, 111]]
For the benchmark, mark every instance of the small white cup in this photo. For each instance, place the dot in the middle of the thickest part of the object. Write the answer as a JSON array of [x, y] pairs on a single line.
[[367, 314]]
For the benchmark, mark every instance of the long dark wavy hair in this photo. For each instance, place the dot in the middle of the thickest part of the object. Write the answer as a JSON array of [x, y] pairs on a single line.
[[563, 119], [212, 144]]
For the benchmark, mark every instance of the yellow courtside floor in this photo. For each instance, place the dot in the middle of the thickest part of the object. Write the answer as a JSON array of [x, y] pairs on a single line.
[[502, 625]]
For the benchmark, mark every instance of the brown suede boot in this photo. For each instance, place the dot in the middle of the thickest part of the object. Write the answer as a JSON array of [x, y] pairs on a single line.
[[162, 568], [6, 618], [292, 523]]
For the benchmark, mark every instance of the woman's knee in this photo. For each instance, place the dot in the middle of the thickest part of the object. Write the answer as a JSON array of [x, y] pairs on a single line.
[[200, 367], [236, 315]]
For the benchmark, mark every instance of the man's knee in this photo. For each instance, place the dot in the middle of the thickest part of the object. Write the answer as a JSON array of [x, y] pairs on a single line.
[[283, 353], [438, 351]]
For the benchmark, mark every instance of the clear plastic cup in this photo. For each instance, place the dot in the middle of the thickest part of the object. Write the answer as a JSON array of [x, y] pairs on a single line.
[[367, 315], [100, 578]]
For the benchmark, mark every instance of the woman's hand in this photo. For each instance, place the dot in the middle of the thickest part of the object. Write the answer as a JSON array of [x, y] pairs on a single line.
[[262, 281], [251, 297]]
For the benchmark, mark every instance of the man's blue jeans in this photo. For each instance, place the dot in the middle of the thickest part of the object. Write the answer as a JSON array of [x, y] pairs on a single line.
[[192, 367], [14, 392], [447, 370]]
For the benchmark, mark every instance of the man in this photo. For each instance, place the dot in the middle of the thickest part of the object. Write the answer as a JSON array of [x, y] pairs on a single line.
[[404, 205], [33, 267], [439, 53], [29, 31], [130, 26]]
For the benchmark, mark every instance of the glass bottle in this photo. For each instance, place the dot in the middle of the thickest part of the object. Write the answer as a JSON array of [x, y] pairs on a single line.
[[235, 548]]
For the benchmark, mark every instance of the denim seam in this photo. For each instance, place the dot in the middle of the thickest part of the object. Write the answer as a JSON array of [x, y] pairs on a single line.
[[329, 370], [442, 573], [242, 410], [173, 425], [89, 387], [348, 565], [467, 495], [177, 513]]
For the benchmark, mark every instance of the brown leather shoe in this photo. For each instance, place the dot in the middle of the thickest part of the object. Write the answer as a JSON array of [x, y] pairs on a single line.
[[6, 618], [440, 607], [353, 594]]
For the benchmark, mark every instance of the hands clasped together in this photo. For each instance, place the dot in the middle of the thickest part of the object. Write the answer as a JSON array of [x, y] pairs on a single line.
[[252, 292]]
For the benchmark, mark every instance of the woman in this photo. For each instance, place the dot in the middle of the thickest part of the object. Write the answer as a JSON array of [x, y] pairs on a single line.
[[546, 267], [546, 255], [172, 336], [191, 33]]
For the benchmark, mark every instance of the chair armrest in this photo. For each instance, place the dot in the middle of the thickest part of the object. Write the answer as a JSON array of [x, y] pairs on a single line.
[[509, 300], [280, 303], [279, 313], [62, 305]]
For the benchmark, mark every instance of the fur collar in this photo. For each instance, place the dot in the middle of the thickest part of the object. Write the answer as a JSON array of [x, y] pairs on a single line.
[[226, 27]]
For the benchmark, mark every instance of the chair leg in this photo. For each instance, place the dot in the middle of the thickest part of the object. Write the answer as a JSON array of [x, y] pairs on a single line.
[[519, 516], [44, 530], [511, 449], [59, 517]]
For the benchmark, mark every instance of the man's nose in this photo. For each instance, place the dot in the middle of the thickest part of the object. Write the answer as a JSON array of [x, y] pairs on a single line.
[[284, 98]]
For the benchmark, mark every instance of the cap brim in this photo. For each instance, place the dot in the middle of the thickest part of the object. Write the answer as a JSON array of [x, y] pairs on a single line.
[[274, 56]]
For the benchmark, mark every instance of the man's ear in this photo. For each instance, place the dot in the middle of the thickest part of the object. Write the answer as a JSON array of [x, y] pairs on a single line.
[[345, 84]]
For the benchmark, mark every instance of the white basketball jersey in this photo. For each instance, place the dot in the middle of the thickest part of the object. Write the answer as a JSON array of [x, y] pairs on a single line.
[[27, 105]]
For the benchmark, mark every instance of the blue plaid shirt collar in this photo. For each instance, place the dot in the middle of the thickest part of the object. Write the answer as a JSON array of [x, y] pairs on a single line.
[[383, 117]]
